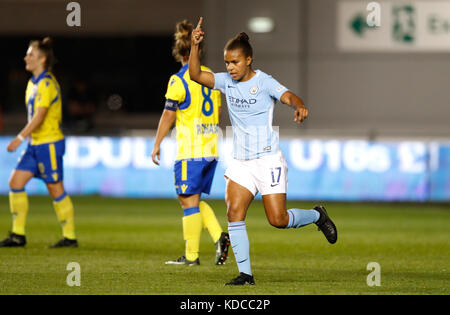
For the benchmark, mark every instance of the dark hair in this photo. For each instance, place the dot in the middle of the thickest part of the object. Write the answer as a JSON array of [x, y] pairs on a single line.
[[240, 41], [182, 45], [45, 46]]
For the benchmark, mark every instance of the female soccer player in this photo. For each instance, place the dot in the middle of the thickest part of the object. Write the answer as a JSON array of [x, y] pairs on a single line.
[[258, 164], [43, 157], [196, 110]]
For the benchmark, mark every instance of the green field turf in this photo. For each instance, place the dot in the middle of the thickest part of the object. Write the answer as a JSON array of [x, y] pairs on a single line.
[[124, 243]]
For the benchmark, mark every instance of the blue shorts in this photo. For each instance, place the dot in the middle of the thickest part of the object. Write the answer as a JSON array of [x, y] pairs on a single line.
[[194, 176], [45, 161]]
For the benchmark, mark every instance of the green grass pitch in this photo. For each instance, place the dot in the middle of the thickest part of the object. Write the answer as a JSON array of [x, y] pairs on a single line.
[[124, 243]]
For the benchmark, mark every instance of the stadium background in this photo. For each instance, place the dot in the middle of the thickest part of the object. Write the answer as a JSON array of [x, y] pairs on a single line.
[[378, 128], [378, 131]]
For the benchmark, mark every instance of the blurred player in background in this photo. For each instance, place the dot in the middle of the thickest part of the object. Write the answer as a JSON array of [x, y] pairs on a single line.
[[196, 110], [258, 163], [43, 157]]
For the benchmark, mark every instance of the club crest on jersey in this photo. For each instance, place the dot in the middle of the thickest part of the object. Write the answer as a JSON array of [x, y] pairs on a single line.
[[254, 90]]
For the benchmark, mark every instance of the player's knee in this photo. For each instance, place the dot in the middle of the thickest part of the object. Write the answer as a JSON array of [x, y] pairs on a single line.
[[279, 222], [234, 212], [231, 213], [14, 183], [189, 201], [55, 189]]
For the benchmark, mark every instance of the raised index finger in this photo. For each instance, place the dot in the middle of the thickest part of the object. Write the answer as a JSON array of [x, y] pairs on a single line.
[[200, 21]]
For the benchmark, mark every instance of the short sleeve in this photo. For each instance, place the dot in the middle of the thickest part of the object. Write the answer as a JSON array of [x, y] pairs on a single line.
[[274, 88], [175, 93], [46, 94], [220, 81]]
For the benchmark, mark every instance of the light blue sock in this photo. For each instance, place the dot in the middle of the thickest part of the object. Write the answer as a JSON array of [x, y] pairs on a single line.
[[299, 217], [241, 245]]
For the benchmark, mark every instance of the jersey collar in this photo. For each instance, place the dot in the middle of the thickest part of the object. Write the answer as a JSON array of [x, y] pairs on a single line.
[[39, 77], [184, 68]]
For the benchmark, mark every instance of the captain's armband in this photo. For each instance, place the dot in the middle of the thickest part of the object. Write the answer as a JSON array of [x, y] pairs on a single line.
[[171, 105]]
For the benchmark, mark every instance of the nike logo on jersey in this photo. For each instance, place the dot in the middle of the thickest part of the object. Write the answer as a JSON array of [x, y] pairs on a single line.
[[230, 86], [273, 185]]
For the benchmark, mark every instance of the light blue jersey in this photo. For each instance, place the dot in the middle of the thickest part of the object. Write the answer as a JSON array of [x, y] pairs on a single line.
[[250, 105]]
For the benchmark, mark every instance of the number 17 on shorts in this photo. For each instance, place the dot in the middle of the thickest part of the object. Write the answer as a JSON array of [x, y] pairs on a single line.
[[275, 175]]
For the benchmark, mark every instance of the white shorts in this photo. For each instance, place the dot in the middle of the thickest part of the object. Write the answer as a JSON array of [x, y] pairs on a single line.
[[266, 175]]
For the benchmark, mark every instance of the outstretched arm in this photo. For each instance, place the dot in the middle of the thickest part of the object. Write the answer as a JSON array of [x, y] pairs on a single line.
[[301, 112], [195, 72]]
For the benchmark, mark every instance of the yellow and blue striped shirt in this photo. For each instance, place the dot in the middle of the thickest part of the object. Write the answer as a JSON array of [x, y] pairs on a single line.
[[44, 91], [197, 116]]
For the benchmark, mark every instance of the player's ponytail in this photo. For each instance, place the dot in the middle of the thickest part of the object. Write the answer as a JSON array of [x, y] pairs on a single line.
[[182, 45], [240, 41], [45, 46]]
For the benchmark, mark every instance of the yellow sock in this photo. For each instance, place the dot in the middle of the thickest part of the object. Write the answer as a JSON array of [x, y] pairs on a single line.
[[18, 204], [64, 211], [192, 229], [210, 221]]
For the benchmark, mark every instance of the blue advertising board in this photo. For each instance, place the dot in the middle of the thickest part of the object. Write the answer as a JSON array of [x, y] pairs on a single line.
[[344, 170]]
